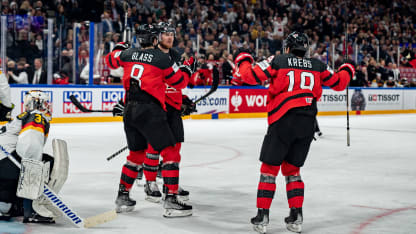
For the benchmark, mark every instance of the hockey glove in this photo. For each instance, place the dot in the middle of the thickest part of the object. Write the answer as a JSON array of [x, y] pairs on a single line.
[[348, 66], [121, 46], [242, 55], [118, 108], [188, 106], [5, 112], [192, 63]]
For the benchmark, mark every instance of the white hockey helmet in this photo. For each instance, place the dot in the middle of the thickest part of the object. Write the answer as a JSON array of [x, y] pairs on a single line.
[[37, 100]]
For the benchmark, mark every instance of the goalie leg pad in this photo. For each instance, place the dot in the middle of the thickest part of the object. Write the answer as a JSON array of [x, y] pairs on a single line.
[[32, 178], [58, 177]]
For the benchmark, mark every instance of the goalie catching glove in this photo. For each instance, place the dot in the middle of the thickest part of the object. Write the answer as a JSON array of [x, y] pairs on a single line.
[[188, 106], [118, 108]]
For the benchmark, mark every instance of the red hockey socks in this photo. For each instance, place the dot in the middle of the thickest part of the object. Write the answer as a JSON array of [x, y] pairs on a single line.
[[170, 168], [294, 185], [267, 185], [151, 164], [131, 168]]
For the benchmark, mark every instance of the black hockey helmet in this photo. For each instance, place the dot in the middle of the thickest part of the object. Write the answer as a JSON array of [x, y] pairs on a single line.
[[164, 27], [146, 33], [297, 42]]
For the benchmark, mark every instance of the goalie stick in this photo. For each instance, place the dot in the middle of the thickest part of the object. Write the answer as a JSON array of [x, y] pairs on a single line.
[[82, 108], [63, 208]]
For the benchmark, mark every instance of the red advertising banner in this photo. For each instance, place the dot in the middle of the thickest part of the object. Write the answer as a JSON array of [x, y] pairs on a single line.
[[248, 100]]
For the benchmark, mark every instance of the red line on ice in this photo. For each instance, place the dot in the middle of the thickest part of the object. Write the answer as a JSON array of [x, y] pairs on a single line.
[[373, 219]]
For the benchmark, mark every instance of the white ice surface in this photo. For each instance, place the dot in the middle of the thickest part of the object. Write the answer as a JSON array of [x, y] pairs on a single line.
[[369, 187]]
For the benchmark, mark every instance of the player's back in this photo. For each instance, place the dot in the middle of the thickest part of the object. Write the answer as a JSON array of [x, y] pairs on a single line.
[[296, 84], [297, 75], [147, 67]]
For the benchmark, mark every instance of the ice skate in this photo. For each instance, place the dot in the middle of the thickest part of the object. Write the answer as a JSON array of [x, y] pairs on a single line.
[[175, 207], [36, 218], [294, 220], [261, 221], [183, 195], [152, 192], [5, 216], [123, 201]]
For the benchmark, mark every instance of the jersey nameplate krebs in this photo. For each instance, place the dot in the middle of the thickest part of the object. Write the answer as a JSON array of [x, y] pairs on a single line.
[[299, 62], [142, 57]]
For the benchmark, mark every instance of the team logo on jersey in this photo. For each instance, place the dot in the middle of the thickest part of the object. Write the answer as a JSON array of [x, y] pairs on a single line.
[[236, 101], [110, 98], [84, 97], [22, 96]]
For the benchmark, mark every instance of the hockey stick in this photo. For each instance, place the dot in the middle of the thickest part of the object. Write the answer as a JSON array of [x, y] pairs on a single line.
[[64, 209], [214, 86], [348, 103], [116, 153], [75, 101], [125, 7]]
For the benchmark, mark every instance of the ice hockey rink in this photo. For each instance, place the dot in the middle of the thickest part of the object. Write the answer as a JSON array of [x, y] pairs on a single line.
[[369, 187]]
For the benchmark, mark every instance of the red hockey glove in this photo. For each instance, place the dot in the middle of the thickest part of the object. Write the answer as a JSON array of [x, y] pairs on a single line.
[[242, 55], [348, 66], [191, 63]]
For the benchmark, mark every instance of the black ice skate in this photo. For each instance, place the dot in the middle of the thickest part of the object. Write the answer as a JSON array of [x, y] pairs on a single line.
[[152, 192], [5, 216], [36, 218], [176, 208], [123, 201], [261, 221], [183, 195], [294, 220]]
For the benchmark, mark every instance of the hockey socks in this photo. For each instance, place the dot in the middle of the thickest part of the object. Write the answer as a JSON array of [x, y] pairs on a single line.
[[267, 185], [170, 168], [131, 168], [294, 185], [151, 164], [295, 191], [170, 173]]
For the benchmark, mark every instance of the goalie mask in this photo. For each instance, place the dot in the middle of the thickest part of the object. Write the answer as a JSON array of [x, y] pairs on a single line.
[[37, 100]]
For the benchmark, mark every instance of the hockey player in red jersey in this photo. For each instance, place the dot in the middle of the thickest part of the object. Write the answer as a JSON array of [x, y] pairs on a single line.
[[147, 72], [173, 106], [205, 73], [295, 85]]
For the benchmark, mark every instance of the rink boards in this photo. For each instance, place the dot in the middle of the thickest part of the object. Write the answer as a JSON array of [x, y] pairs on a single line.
[[226, 102]]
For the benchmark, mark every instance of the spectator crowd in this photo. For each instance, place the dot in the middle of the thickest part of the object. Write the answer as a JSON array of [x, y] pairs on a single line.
[[214, 30]]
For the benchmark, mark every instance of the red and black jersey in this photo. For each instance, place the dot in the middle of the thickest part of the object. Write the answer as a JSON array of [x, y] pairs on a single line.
[[174, 96], [151, 68], [204, 75], [294, 81]]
